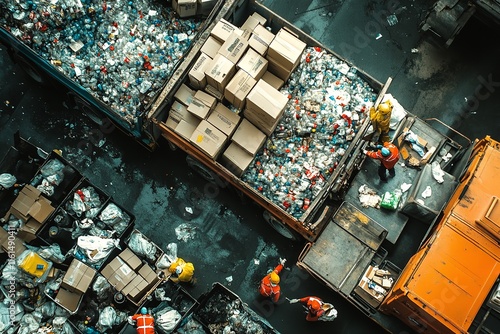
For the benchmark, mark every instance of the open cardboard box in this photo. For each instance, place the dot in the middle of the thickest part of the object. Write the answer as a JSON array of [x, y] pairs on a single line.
[[33, 209]]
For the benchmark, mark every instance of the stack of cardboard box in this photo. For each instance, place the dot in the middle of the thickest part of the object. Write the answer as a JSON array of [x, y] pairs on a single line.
[[374, 285], [33, 209], [128, 274], [284, 54]]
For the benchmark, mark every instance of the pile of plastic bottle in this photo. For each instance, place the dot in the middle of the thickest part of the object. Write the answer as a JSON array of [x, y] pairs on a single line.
[[328, 103], [121, 51]]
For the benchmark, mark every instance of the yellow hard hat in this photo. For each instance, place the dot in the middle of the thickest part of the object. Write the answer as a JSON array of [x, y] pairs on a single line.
[[385, 107], [275, 279]]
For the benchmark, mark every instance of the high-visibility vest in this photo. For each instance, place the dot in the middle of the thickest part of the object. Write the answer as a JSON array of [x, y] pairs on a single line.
[[145, 323]]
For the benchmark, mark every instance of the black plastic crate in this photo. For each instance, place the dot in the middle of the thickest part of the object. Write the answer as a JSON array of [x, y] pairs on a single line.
[[60, 174], [212, 312]]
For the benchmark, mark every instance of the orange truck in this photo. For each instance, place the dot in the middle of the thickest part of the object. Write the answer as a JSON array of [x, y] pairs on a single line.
[[451, 282]]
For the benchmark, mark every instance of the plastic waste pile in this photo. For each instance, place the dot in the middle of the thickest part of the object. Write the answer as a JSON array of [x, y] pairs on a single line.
[[328, 102], [120, 51], [51, 175]]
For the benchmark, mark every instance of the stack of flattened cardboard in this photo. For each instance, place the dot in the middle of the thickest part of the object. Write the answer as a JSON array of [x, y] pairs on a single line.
[[75, 283], [33, 209], [128, 274]]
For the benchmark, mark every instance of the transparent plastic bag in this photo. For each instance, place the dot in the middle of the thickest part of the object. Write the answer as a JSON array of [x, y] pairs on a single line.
[[167, 318], [139, 245], [113, 216], [7, 180], [107, 318]]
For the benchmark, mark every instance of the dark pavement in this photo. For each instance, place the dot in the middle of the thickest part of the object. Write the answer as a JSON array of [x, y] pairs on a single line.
[[232, 244]]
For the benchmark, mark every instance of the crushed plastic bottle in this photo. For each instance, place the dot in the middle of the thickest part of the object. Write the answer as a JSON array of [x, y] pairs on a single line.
[[102, 45], [328, 103]]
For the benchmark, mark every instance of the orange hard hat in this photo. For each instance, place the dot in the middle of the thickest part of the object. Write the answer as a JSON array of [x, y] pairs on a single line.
[[275, 279]]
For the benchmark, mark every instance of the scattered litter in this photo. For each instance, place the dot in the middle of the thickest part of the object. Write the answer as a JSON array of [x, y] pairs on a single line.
[[405, 187], [427, 192], [392, 20], [185, 232], [414, 50], [437, 172], [189, 209], [229, 279], [256, 262], [379, 36], [368, 197]]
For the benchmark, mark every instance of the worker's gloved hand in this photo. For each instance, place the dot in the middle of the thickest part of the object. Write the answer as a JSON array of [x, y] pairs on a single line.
[[365, 151], [293, 301], [130, 321], [282, 261]]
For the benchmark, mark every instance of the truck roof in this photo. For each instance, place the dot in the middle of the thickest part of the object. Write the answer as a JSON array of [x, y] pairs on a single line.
[[452, 275]]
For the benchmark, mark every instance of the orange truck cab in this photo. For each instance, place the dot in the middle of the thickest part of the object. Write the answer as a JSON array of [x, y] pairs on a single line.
[[445, 286]]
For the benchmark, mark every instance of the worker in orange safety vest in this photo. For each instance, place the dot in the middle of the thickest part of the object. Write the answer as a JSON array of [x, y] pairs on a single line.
[[314, 307], [145, 322], [388, 154], [269, 285]]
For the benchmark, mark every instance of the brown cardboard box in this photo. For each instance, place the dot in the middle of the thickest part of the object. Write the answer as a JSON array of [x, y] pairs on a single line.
[[68, 299], [184, 95], [223, 29], [238, 88], [208, 99], [219, 72], [211, 47], [199, 109], [78, 277], [133, 261], [236, 159], [224, 119], [234, 47], [262, 20], [249, 25], [148, 274], [273, 80], [248, 137], [14, 245], [277, 69], [286, 49], [137, 281], [179, 111], [265, 127], [260, 39], [205, 7], [219, 96], [118, 273], [186, 129], [253, 63], [185, 8], [208, 139], [265, 103], [197, 78]]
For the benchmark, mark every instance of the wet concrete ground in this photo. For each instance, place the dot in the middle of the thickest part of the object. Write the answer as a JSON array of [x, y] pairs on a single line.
[[231, 240]]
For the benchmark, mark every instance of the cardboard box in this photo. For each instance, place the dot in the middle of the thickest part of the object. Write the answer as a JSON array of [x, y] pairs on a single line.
[[265, 103], [286, 49], [78, 277], [273, 80], [179, 112], [205, 7], [69, 300], [184, 95], [219, 96], [208, 139], [253, 63], [277, 69], [118, 273], [185, 8], [197, 78], [133, 261], [135, 287], [219, 72], [238, 88], [262, 20], [224, 119], [236, 159], [260, 39], [249, 25], [223, 29], [211, 47], [265, 127], [14, 245], [249, 137], [33, 209], [234, 47], [202, 104], [148, 274], [186, 129]]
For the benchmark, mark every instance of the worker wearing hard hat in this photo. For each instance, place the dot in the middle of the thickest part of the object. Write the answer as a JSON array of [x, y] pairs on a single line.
[[269, 285], [145, 322], [315, 307], [182, 271], [381, 120], [388, 154]]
